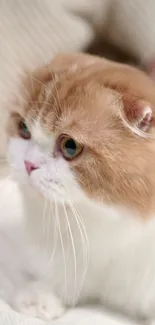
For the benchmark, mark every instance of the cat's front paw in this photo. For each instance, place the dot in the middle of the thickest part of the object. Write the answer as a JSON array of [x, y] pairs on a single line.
[[39, 303]]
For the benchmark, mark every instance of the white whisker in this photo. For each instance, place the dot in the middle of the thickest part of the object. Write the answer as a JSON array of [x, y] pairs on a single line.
[[85, 244], [74, 253], [63, 250], [84, 240], [44, 224], [55, 238], [48, 227]]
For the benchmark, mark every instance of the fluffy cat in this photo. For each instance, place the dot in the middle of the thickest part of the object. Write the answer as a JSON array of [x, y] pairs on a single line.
[[81, 142]]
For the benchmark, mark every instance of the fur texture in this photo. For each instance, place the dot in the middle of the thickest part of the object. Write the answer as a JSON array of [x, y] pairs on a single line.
[[92, 215]]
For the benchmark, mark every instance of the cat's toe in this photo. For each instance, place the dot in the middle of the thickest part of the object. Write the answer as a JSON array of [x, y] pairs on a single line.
[[43, 305], [49, 308]]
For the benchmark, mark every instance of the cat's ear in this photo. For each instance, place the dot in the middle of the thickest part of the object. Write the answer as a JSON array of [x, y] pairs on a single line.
[[137, 115]]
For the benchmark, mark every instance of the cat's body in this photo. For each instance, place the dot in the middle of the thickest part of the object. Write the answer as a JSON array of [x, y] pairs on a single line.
[[121, 258], [93, 217], [120, 275]]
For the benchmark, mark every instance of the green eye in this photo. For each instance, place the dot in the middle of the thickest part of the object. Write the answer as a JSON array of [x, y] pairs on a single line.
[[70, 148], [24, 131]]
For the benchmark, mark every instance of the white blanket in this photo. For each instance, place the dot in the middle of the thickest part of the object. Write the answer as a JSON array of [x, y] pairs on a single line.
[[75, 317]]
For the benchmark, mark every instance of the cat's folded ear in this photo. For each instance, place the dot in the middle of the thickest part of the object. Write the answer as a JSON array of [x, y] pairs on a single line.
[[137, 115]]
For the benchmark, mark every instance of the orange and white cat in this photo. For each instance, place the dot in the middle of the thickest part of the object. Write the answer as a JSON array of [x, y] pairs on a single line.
[[82, 143]]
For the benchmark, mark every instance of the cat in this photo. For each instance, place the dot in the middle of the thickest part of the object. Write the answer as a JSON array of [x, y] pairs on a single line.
[[81, 146]]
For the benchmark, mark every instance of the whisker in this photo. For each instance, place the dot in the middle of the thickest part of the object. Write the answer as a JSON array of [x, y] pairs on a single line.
[[41, 83], [63, 251], [74, 253], [44, 226], [85, 244], [55, 236], [46, 220], [40, 102], [32, 84], [27, 93], [84, 239], [56, 99], [48, 226], [80, 218]]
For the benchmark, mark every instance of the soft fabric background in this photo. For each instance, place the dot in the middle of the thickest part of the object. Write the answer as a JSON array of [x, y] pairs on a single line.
[[31, 33]]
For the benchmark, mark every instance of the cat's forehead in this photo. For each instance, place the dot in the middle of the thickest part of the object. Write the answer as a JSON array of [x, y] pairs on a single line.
[[73, 97], [83, 111]]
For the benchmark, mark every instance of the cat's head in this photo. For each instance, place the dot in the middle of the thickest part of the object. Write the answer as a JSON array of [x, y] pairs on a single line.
[[85, 128]]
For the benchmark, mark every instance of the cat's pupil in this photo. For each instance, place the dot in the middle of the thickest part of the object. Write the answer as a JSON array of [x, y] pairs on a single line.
[[70, 147], [24, 131], [23, 127]]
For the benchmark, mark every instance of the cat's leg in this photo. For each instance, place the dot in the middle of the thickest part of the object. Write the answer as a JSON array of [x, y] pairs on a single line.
[[36, 300]]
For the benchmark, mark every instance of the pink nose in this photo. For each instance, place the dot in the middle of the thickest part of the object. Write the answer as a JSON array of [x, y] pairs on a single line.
[[30, 166]]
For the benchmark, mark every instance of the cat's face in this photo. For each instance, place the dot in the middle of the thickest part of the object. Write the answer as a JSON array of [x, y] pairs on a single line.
[[71, 139]]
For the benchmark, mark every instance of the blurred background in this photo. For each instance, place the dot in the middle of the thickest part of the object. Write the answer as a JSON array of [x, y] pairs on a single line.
[[33, 31]]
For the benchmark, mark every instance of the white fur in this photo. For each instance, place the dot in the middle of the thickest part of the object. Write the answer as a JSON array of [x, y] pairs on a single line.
[[36, 300], [20, 268], [120, 267], [40, 135]]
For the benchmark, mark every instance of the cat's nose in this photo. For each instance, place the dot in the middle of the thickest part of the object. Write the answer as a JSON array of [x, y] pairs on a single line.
[[30, 167]]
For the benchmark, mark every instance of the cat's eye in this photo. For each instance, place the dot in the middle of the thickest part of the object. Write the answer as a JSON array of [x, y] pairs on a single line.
[[69, 148], [23, 130]]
